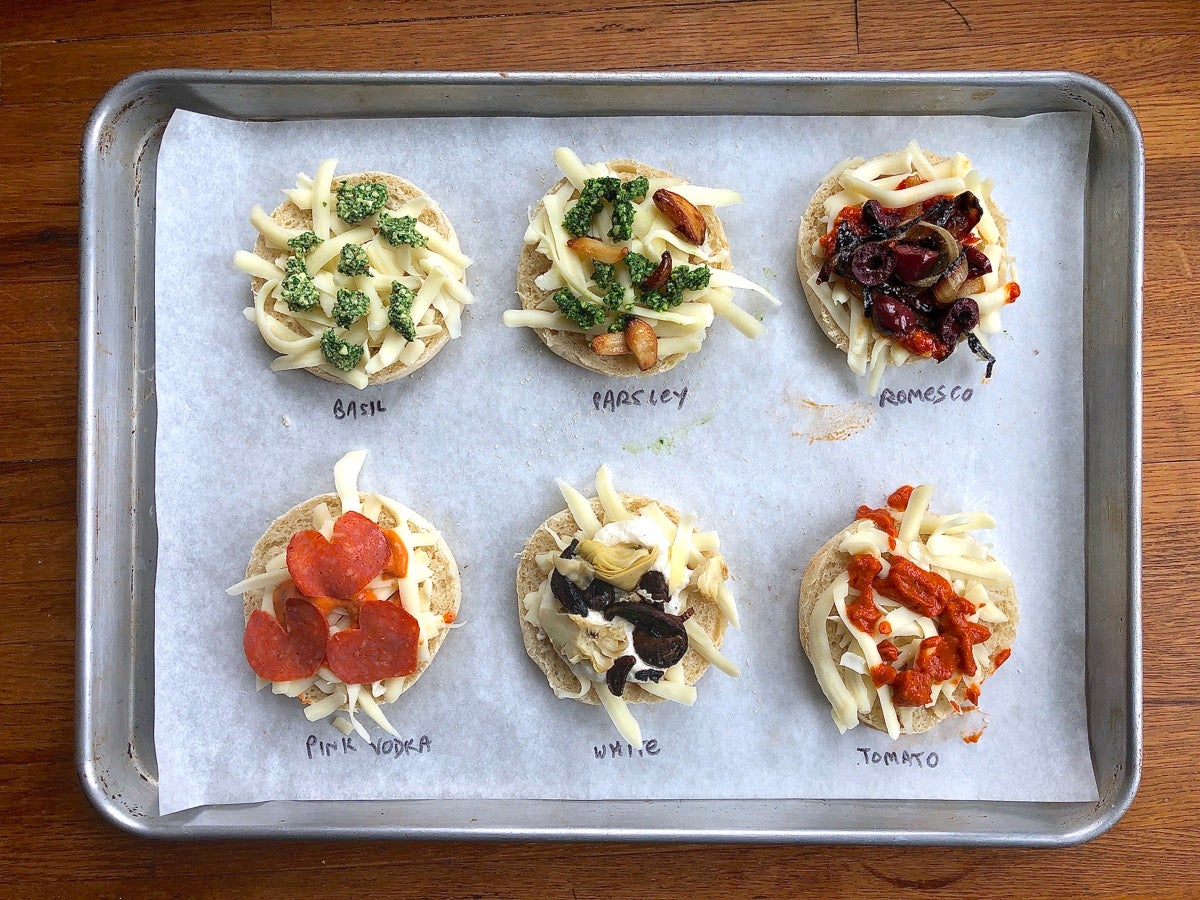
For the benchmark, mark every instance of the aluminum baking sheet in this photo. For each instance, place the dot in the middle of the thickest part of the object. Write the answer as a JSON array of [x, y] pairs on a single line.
[[441, 822]]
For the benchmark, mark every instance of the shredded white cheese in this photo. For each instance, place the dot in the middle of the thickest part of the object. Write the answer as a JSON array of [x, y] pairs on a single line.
[[436, 272], [846, 680]]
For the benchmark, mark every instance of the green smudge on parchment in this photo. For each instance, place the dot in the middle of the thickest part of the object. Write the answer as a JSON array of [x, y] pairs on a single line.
[[666, 443]]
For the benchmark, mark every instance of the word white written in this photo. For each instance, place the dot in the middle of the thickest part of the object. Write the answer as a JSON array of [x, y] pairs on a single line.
[[931, 394], [611, 401], [393, 747], [913, 759], [614, 751]]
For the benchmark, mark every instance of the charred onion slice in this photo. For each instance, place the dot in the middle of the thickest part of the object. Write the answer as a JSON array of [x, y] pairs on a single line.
[[965, 213], [979, 350], [598, 250], [945, 290]]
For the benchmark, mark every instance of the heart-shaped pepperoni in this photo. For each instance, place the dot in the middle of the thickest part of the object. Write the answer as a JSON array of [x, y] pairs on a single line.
[[384, 645], [282, 655], [342, 567]]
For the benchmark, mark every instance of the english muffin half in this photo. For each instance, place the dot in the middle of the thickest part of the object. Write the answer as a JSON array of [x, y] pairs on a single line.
[[903, 257], [904, 615], [347, 598], [625, 267], [623, 601], [356, 278]]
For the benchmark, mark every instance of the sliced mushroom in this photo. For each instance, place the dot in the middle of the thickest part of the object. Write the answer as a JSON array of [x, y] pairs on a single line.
[[566, 593], [660, 651], [618, 673], [598, 250]]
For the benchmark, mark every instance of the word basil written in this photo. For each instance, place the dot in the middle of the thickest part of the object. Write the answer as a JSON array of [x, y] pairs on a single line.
[[357, 410], [393, 747], [913, 759], [617, 750], [611, 401], [931, 394]]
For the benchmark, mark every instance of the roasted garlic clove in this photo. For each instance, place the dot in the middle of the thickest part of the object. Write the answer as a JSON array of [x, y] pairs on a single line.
[[598, 250], [683, 214], [642, 342]]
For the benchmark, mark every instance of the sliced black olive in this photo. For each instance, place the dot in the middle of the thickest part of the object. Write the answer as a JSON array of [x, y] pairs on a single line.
[[648, 618], [599, 595], [566, 593], [660, 651], [569, 552], [654, 675], [872, 263], [618, 673], [654, 586], [977, 262], [892, 317], [879, 220]]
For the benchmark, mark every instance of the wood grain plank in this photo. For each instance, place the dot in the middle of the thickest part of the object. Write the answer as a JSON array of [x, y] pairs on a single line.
[[292, 13], [41, 491], [49, 312], [498, 43], [951, 26], [60, 832], [38, 411], [64, 20]]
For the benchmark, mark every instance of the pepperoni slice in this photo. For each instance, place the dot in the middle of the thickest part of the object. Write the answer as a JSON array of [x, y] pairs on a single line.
[[342, 567], [384, 645], [279, 654]]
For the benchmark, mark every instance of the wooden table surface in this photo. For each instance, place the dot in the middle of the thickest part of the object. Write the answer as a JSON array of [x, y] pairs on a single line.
[[56, 61]]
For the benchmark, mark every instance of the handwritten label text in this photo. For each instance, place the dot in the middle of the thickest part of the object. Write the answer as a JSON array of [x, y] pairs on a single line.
[[357, 410], [611, 401], [914, 759], [621, 750], [394, 748], [931, 394]]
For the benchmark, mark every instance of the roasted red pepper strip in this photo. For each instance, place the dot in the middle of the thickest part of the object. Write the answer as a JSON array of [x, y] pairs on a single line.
[[283, 654], [342, 567], [397, 565], [384, 645], [912, 688]]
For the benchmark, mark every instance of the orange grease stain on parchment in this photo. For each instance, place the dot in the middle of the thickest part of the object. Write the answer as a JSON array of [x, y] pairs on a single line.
[[828, 421]]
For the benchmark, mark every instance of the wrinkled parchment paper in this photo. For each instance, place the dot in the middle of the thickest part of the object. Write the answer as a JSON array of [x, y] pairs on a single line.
[[774, 445]]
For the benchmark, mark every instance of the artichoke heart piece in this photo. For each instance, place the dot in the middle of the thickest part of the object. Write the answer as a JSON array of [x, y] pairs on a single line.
[[600, 643], [578, 570], [621, 565]]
